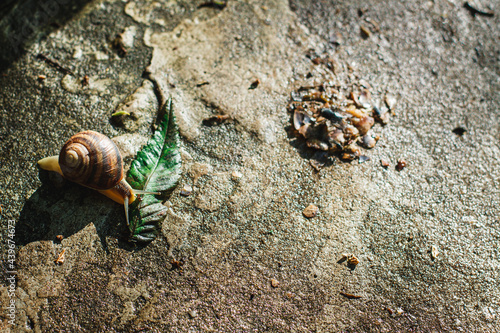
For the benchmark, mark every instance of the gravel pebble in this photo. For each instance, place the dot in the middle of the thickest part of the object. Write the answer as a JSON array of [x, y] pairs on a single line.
[[311, 211], [186, 190]]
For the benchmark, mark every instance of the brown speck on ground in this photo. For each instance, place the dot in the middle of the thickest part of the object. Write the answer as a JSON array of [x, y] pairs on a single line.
[[401, 164], [60, 258], [349, 296], [254, 84], [365, 32]]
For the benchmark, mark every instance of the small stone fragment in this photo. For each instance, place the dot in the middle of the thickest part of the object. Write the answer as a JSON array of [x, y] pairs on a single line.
[[236, 175], [390, 101], [193, 314], [304, 130], [434, 252], [316, 144], [365, 98], [128, 36], [364, 124], [295, 96], [254, 84], [351, 132], [358, 113], [374, 24], [365, 32], [300, 118], [60, 258], [311, 211], [348, 157], [41, 77], [363, 158], [317, 165], [350, 296], [336, 39], [331, 115], [351, 152], [337, 138], [381, 115], [275, 283], [384, 163], [368, 141], [186, 190], [352, 261], [317, 61], [401, 165]]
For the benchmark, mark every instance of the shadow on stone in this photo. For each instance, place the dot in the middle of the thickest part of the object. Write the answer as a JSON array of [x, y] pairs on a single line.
[[313, 156], [24, 22], [60, 207]]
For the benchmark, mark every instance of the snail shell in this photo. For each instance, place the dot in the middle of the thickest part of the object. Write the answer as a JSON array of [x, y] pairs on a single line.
[[91, 159]]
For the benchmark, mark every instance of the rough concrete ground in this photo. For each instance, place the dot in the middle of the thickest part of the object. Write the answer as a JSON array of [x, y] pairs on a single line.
[[243, 225]]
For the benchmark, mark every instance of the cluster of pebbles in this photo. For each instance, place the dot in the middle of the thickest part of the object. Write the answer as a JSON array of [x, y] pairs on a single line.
[[334, 122]]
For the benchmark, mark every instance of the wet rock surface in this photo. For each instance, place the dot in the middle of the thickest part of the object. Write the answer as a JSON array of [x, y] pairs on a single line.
[[237, 253]]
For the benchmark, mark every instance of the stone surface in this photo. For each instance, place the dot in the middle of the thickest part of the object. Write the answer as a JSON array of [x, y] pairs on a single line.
[[243, 227]]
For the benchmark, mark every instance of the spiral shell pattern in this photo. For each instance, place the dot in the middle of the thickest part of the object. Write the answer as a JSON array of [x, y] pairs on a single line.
[[91, 159]]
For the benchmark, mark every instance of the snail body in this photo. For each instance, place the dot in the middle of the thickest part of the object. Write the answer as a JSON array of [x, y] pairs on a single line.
[[91, 159]]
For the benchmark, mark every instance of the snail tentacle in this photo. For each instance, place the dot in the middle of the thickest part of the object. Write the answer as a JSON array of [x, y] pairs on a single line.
[[145, 192], [51, 164], [125, 204]]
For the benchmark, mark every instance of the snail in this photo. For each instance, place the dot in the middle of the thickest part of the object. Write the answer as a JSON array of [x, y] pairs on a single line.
[[91, 159]]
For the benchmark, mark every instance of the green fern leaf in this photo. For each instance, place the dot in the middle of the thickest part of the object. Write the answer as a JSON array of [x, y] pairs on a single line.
[[156, 168]]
